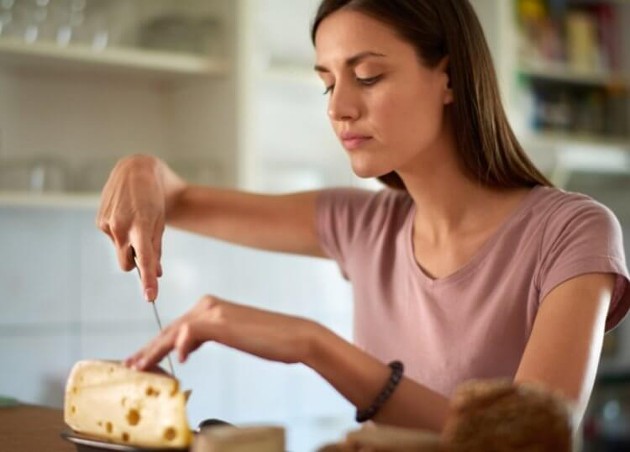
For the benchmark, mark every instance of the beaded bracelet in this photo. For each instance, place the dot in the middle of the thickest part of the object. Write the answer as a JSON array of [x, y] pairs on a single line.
[[394, 378]]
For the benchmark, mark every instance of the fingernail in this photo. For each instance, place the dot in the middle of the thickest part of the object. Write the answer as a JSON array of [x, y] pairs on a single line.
[[130, 363], [148, 294]]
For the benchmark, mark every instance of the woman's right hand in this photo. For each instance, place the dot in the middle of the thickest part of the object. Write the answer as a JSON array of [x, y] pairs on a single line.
[[132, 213]]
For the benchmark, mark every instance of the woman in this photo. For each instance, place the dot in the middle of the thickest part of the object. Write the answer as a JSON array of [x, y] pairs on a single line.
[[470, 265]]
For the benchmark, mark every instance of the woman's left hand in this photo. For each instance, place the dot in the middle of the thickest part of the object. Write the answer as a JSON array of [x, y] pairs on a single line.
[[265, 334]]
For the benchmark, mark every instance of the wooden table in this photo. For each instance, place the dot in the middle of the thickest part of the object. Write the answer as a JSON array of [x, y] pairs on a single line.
[[29, 428]]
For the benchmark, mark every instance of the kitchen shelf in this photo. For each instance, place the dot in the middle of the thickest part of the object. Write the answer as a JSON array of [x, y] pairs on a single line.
[[88, 201], [587, 154], [560, 73], [20, 54], [576, 139], [603, 161], [292, 73]]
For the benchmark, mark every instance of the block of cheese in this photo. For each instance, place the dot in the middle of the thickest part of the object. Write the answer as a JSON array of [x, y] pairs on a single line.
[[107, 400], [240, 439], [387, 439]]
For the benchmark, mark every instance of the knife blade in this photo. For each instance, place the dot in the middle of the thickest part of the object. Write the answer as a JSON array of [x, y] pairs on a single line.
[[155, 311]]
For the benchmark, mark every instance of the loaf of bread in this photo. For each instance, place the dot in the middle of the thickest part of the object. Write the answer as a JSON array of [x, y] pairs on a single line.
[[107, 400], [374, 438], [485, 416], [500, 416]]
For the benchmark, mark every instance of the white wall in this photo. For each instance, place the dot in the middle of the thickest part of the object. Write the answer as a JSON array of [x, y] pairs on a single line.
[[63, 298]]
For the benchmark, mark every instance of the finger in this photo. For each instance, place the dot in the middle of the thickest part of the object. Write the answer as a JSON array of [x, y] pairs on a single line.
[[138, 356], [103, 225], [119, 232], [145, 261], [131, 360], [124, 255], [152, 354], [157, 247], [185, 342], [158, 352], [158, 370]]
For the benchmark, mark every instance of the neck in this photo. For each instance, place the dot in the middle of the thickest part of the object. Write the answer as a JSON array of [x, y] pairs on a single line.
[[447, 207], [448, 202]]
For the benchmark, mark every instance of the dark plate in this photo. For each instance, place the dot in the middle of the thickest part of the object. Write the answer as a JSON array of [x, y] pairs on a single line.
[[86, 443]]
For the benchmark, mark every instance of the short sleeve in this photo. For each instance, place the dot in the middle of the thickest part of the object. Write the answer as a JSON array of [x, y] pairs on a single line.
[[340, 217], [582, 237]]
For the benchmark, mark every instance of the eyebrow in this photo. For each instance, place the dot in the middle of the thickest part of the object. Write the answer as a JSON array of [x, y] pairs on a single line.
[[353, 60]]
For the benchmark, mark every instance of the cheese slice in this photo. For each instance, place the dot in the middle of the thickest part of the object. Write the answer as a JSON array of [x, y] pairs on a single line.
[[107, 400], [240, 439]]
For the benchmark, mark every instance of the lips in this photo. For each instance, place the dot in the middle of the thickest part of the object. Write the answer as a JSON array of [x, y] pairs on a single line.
[[353, 140]]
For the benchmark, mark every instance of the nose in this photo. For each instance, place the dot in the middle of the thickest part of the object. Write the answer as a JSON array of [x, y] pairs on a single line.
[[343, 104]]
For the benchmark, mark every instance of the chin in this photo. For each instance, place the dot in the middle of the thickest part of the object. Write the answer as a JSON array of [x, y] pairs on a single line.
[[365, 170], [364, 174]]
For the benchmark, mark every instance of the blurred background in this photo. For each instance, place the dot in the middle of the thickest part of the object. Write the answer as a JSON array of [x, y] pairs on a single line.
[[225, 92]]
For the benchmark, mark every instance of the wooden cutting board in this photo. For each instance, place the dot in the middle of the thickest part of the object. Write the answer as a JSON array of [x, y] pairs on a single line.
[[29, 428]]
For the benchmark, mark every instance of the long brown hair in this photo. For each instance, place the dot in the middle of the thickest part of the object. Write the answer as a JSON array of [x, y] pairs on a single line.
[[486, 144]]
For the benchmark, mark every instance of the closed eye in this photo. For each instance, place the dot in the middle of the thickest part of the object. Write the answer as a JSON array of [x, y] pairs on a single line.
[[368, 80]]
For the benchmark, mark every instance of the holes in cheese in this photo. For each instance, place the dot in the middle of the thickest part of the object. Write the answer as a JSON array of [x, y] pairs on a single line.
[[152, 392], [125, 437], [170, 434], [133, 417], [73, 410], [109, 427]]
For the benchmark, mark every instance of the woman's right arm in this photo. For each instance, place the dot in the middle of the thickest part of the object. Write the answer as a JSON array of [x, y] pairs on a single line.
[[284, 223], [143, 194]]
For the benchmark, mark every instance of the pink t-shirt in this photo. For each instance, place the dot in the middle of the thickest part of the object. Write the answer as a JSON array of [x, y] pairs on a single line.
[[474, 323]]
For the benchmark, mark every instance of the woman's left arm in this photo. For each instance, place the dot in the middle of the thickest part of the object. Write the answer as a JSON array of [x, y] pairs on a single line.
[[355, 374], [564, 348]]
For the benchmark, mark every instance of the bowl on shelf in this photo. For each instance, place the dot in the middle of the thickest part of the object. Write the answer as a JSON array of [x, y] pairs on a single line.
[[91, 175], [39, 174]]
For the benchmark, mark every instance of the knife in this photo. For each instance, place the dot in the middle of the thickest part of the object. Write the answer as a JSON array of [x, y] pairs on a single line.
[[155, 311]]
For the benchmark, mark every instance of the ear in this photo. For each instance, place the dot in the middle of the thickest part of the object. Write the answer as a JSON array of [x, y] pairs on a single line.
[[444, 69]]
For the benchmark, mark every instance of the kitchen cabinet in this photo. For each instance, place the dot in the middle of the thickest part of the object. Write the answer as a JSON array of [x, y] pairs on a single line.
[[249, 114], [69, 110]]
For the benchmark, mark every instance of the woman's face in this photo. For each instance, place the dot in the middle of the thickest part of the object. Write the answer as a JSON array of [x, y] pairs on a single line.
[[385, 106]]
